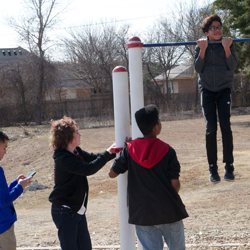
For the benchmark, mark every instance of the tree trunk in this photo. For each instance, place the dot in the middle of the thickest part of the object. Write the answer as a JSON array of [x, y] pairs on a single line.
[[23, 103], [40, 91]]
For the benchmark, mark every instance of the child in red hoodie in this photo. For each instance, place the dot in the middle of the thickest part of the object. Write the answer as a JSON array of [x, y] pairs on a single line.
[[155, 207]]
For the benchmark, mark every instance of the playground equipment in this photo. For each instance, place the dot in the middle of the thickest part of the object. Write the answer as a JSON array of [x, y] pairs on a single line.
[[191, 43], [122, 130], [122, 123]]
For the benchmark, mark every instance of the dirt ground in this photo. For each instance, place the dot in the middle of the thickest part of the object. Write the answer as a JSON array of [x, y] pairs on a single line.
[[218, 213]]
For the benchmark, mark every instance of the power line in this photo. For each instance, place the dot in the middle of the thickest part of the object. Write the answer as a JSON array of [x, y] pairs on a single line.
[[100, 23], [86, 25]]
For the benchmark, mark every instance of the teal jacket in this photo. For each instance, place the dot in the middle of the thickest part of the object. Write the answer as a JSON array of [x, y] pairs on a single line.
[[7, 196]]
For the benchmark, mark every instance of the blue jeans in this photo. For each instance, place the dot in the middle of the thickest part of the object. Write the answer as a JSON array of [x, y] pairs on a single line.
[[151, 236], [73, 231]]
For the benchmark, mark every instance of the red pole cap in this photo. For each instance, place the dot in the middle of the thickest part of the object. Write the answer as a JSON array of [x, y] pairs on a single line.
[[119, 69], [134, 42], [115, 150]]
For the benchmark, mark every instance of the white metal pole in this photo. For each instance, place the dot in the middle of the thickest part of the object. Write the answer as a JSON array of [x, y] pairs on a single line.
[[136, 81], [136, 85], [122, 130]]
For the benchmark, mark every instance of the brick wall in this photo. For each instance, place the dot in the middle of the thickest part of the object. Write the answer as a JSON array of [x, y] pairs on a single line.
[[186, 86]]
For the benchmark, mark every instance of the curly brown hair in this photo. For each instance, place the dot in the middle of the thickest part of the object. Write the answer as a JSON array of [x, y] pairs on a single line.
[[62, 132], [208, 21]]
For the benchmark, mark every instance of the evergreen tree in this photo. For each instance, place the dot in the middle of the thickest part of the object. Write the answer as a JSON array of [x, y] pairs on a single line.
[[237, 22]]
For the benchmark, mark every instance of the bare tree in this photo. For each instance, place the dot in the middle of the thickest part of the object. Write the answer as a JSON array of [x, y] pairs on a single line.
[[95, 51], [190, 18], [13, 77], [190, 21], [16, 91], [181, 25], [40, 17], [19, 80], [160, 60]]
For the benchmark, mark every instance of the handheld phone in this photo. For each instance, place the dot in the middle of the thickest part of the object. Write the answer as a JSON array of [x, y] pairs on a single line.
[[31, 174]]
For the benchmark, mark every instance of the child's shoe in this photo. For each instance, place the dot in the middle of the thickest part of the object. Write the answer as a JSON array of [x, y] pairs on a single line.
[[229, 172], [214, 176]]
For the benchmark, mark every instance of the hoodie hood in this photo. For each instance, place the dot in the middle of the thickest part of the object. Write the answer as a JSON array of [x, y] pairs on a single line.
[[61, 152], [147, 152]]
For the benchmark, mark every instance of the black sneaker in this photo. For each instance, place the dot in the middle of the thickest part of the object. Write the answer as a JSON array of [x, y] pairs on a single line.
[[229, 172], [214, 176]]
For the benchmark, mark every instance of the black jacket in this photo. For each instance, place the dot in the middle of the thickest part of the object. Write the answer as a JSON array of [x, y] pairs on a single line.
[[215, 71], [71, 170], [151, 165]]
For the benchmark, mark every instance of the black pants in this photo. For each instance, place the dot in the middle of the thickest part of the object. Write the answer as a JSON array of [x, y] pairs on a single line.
[[213, 102]]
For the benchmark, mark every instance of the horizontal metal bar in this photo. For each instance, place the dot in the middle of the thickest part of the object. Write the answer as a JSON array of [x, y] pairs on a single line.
[[191, 43]]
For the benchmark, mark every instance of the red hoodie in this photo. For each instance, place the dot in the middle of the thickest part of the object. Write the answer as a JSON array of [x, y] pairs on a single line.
[[147, 152]]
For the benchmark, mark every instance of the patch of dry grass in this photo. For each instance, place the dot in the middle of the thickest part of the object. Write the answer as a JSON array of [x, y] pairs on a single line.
[[217, 213]]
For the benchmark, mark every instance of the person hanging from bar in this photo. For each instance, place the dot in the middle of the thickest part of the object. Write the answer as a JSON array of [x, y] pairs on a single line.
[[215, 64]]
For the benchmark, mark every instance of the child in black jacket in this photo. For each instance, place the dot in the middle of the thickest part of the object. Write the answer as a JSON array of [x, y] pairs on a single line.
[[155, 207], [215, 63], [69, 197]]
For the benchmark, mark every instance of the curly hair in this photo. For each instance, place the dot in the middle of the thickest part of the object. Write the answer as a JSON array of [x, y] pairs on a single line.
[[208, 21], [62, 132], [3, 137]]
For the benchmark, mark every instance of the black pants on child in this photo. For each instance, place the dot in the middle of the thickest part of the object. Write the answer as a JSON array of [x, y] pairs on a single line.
[[213, 102]]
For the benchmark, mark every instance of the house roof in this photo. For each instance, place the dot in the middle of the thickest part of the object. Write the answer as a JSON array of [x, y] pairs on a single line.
[[181, 71], [12, 54]]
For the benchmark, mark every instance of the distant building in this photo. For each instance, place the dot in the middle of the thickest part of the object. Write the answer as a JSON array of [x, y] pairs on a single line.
[[66, 87], [181, 79], [8, 55]]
